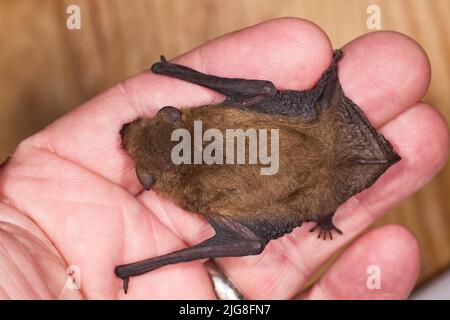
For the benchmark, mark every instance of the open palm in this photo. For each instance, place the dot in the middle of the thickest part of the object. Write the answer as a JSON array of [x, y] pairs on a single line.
[[69, 194]]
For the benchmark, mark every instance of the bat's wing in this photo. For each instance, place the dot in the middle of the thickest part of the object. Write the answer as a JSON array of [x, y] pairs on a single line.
[[236, 90], [259, 95], [234, 237], [364, 153], [231, 239]]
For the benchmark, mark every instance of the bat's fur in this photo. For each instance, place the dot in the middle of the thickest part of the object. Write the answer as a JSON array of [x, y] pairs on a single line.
[[318, 167]]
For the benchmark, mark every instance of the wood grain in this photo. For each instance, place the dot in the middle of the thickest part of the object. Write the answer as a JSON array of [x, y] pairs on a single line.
[[46, 69]]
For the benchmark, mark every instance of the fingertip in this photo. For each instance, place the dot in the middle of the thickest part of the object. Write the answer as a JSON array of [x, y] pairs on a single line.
[[382, 264], [398, 244], [384, 72], [397, 251], [432, 129], [421, 135]]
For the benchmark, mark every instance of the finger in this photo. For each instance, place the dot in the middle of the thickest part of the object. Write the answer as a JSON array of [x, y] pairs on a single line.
[[287, 263], [28, 269], [29, 260], [384, 73], [382, 264]]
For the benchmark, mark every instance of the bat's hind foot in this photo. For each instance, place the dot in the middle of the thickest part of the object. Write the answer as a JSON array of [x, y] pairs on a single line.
[[325, 227]]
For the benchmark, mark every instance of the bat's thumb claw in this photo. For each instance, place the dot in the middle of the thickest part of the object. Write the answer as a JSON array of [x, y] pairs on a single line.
[[125, 284], [337, 55]]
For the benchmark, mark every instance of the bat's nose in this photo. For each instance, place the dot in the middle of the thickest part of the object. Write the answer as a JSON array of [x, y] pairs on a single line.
[[123, 130]]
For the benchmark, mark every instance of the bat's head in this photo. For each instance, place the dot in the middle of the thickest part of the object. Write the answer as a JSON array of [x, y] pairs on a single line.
[[148, 142]]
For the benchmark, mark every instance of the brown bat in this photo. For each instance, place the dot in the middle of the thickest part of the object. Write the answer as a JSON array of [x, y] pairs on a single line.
[[328, 152]]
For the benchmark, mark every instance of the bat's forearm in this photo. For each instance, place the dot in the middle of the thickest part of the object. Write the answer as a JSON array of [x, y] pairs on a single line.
[[214, 247]]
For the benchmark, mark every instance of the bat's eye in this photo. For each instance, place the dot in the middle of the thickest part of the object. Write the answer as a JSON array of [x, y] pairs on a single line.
[[147, 180], [169, 114]]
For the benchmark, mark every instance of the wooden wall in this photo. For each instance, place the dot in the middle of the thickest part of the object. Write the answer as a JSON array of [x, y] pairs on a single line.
[[47, 69]]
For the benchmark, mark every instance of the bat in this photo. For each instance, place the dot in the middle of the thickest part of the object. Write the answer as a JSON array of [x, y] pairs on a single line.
[[328, 152]]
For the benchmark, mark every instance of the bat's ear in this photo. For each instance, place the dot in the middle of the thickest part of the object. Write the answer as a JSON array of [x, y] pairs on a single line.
[[169, 114]]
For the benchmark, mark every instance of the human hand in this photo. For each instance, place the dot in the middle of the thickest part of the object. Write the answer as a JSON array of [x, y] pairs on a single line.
[[70, 195]]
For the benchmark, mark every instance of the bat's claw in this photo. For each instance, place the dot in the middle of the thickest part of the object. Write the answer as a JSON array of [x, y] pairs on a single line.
[[125, 284], [325, 228]]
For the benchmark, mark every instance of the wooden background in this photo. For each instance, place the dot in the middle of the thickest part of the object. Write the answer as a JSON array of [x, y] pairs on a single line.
[[47, 69]]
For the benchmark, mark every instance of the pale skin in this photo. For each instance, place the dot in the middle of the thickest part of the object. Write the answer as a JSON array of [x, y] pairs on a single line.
[[70, 196]]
